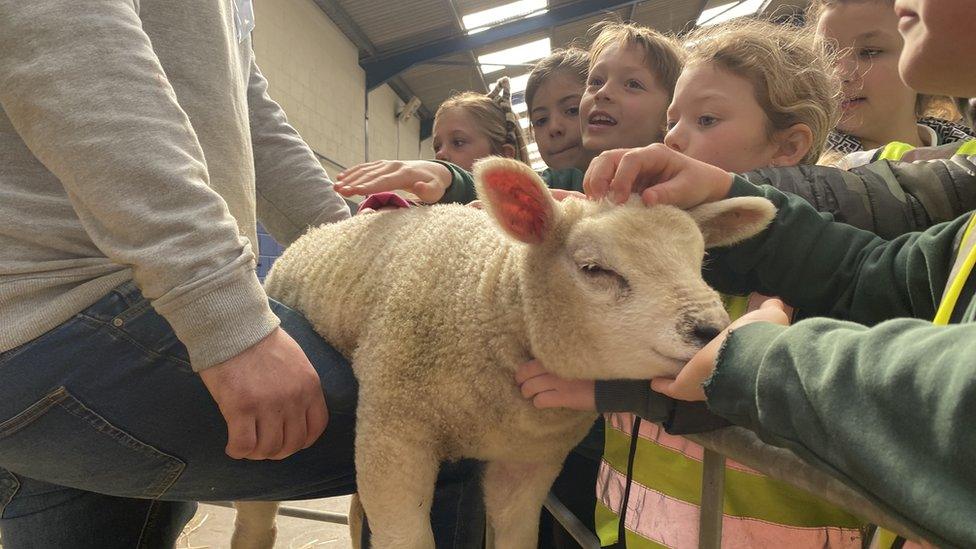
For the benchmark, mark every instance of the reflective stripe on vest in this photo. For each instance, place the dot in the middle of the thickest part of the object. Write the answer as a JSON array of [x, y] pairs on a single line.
[[963, 267], [663, 506]]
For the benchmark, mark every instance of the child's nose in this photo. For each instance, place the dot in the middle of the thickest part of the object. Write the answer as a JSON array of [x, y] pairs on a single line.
[[672, 140], [556, 129]]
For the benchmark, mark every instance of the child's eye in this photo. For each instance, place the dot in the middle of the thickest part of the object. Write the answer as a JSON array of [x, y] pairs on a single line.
[[594, 81], [869, 53], [457, 143], [635, 84], [539, 122], [573, 111], [706, 120]]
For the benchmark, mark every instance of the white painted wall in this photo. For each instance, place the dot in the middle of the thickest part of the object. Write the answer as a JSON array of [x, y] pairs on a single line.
[[314, 73]]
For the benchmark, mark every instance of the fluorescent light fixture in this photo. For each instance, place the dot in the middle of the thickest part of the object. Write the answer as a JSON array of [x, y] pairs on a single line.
[[519, 83], [485, 19], [718, 11], [533, 148], [524, 121], [525, 53], [520, 107]]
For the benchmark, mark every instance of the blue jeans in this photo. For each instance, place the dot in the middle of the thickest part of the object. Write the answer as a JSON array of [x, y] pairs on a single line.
[[107, 437]]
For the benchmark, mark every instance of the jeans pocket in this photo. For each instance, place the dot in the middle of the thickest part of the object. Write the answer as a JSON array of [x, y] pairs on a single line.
[[60, 440], [8, 488]]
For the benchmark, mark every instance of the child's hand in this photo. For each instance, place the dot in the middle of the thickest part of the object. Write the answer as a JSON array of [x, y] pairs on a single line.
[[425, 179], [688, 383], [550, 391], [661, 176]]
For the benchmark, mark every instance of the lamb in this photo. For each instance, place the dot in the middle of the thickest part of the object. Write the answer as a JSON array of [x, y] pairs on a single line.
[[436, 308]]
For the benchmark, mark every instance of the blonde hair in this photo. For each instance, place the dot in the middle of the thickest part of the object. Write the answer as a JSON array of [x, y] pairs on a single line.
[[937, 106], [663, 55], [573, 61], [494, 116], [792, 78]]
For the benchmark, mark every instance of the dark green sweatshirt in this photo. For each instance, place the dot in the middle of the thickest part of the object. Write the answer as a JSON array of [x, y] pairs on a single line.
[[886, 402], [462, 191]]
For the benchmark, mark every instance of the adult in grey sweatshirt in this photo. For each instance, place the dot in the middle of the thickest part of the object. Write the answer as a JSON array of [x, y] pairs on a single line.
[[139, 355]]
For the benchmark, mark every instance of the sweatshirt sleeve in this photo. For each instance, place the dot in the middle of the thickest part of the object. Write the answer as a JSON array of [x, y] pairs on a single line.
[[833, 269], [636, 397], [293, 190], [83, 88], [886, 409], [461, 190]]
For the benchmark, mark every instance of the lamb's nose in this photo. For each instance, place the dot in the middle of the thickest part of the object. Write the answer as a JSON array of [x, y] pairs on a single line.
[[703, 334]]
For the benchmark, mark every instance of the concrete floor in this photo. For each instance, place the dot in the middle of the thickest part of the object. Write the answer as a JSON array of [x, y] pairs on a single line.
[[212, 526]]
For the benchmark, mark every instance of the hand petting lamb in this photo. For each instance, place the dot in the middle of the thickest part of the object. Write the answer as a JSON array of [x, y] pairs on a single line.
[[437, 307]]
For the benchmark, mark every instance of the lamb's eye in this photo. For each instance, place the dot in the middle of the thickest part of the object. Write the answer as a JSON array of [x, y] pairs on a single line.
[[594, 270], [605, 279]]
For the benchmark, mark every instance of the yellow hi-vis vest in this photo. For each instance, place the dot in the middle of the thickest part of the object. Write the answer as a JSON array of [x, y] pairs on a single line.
[[663, 495]]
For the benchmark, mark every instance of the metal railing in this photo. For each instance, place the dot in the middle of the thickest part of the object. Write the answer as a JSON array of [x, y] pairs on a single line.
[[737, 443]]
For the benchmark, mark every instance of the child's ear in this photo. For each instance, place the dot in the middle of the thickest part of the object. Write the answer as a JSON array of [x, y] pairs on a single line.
[[516, 198], [732, 220], [508, 150], [793, 144]]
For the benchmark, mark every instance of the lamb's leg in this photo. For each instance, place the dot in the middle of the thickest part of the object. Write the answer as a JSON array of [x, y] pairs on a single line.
[[395, 480], [356, 521], [254, 526], [514, 493]]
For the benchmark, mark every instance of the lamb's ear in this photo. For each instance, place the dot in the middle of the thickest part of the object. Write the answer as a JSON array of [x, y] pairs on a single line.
[[516, 197], [733, 220]]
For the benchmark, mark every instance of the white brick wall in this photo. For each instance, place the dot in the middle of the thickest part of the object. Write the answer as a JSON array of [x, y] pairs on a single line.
[[388, 137], [314, 73], [427, 148]]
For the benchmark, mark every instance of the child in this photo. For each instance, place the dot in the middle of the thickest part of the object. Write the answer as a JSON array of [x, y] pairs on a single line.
[[632, 74], [878, 108], [884, 400], [631, 79], [467, 127], [552, 96], [751, 95], [470, 126]]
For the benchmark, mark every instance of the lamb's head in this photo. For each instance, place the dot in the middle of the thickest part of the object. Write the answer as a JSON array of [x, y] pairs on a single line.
[[614, 291]]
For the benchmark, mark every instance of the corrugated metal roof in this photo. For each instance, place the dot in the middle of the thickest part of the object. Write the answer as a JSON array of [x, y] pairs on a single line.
[[401, 25]]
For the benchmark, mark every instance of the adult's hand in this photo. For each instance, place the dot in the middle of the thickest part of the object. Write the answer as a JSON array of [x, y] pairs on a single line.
[[659, 174], [687, 385], [270, 397], [425, 179]]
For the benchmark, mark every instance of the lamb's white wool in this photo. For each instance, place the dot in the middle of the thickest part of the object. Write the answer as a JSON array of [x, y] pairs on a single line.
[[437, 307]]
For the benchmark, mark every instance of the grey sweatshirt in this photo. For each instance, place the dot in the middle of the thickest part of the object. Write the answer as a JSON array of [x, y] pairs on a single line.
[[138, 141]]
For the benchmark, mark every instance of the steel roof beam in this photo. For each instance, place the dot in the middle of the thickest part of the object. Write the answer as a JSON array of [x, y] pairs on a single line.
[[382, 69]]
